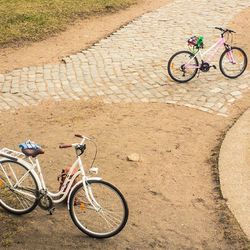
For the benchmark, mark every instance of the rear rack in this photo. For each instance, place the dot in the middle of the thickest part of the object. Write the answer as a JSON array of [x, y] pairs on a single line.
[[11, 154]]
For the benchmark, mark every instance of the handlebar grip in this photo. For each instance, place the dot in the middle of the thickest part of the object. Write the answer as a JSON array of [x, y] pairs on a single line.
[[77, 135], [65, 146], [218, 28]]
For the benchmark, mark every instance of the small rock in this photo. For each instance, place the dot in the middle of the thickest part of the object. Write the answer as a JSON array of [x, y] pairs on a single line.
[[133, 157]]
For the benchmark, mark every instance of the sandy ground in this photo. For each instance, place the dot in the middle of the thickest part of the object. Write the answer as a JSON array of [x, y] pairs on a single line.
[[240, 24], [169, 192], [77, 37]]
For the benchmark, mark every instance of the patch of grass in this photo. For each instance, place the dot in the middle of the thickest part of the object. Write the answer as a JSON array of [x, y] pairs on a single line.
[[9, 227], [33, 20]]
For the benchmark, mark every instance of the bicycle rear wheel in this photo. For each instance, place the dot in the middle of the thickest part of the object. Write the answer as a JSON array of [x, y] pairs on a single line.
[[19, 199], [183, 66], [109, 219], [233, 62]]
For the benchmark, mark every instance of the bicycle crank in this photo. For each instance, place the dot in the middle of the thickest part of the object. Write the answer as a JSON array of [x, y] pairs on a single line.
[[46, 203], [205, 67]]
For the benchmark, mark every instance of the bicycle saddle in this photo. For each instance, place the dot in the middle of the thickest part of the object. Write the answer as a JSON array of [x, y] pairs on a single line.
[[32, 152], [30, 148]]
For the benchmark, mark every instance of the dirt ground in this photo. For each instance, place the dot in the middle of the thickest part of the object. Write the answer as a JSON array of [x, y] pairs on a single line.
[[77, 37], [240, 24], [169, 192]]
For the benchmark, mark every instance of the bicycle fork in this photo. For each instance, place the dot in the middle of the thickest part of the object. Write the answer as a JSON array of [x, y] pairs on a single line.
[[87, 188], [230, 56], [90, 197]]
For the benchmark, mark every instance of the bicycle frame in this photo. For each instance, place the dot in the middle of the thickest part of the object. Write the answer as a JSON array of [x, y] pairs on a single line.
[[212, 50], [67, 185], [65, 190], [67, 182]]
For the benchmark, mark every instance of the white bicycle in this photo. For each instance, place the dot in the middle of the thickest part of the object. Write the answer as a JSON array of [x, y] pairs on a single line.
[[96, 207]]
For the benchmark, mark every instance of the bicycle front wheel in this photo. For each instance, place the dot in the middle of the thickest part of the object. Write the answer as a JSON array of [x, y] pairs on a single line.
[[18, 188], [111, 212], [183, 66], [233, 62]]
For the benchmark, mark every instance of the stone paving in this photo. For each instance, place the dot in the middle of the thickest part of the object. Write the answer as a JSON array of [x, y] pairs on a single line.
[[130, 65]]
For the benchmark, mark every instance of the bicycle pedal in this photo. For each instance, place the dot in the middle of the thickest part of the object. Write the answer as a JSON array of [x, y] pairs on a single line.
[[214, 66], [51, 211]]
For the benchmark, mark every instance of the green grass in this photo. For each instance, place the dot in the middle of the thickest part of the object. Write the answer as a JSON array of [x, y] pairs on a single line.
[[33, 20], [9, 227]]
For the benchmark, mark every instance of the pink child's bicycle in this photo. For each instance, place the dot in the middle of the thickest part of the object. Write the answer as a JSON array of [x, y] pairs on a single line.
[[184, 65]]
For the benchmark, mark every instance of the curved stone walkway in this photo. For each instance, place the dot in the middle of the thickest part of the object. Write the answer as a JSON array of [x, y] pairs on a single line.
[[234, 170], [130, 65]]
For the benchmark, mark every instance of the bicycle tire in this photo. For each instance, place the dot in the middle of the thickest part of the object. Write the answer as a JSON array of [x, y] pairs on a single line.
[[10, 198], [244, 66], [75, 202], [170, 63]]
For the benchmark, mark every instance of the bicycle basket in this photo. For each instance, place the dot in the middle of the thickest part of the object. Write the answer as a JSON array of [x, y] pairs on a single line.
[[196, 41]]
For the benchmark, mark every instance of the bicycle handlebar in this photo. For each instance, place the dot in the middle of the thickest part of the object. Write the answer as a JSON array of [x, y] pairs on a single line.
[[82, 137], [80, 146], [224, 30], [65, 146], [73, 145], [79, 136]]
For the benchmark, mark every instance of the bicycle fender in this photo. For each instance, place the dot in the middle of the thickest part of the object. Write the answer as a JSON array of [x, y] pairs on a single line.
[[7, 157], [79, 183]]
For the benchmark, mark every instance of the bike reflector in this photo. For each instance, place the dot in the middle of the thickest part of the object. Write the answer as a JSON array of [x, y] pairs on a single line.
[[1, 184], [82, 206]]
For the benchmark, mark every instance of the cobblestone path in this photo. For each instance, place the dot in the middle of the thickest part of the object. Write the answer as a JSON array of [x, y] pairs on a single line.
[[130, 65]]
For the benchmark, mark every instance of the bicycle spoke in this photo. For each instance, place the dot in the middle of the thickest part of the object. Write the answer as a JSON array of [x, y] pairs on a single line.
[[24, 201], [105, 219], [4, 171], [112, 217], [182, 66], [111, 212], [23, 195], [19, 200], [12, 172]]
